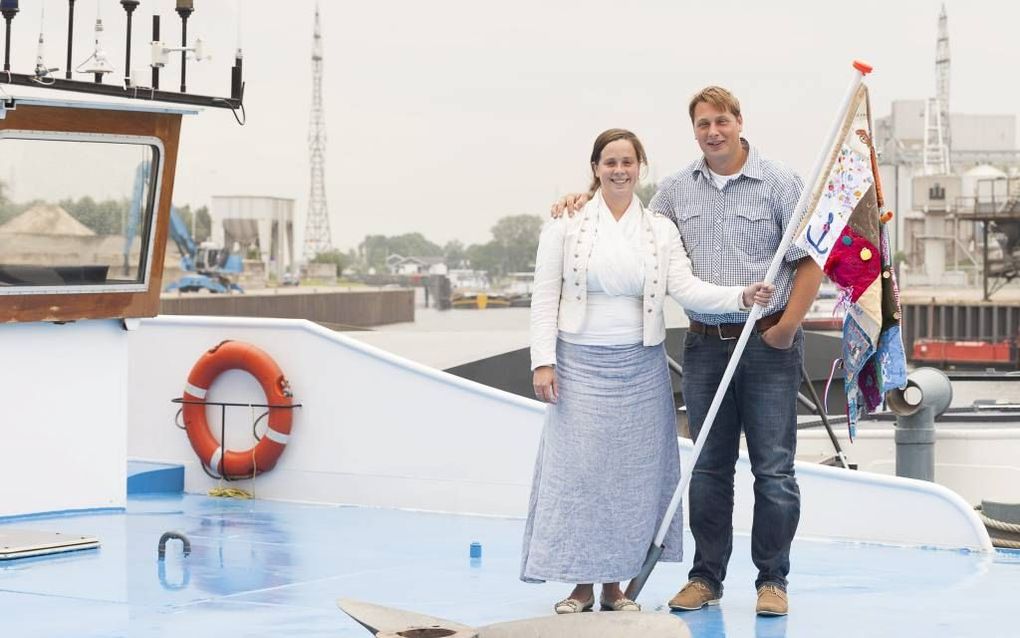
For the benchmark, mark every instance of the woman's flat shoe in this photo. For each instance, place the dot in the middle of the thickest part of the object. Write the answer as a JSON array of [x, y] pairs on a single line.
[[574, 606], [620, 604]]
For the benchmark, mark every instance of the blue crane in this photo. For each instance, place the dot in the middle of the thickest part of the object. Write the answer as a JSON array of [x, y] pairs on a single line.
[[206, 266]]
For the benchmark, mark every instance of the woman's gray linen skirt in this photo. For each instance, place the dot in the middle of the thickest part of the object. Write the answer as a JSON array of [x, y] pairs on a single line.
[[607, 466]]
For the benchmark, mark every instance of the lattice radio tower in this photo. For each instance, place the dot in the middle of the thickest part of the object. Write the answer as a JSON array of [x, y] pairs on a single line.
[[317, 235], [937, 140], [942, 75]]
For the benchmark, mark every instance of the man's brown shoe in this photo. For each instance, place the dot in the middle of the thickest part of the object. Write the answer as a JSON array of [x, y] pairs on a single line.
[[771, 601], [695, 595]]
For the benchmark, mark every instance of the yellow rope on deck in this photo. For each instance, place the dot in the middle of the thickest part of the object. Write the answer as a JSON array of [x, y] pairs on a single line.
[[230, 492]]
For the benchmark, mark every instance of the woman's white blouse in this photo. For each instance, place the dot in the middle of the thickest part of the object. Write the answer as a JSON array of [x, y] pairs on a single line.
[[559, 301], [615, 282]]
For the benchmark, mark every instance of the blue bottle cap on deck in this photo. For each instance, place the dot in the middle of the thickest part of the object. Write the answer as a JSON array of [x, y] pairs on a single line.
[[476, 550]]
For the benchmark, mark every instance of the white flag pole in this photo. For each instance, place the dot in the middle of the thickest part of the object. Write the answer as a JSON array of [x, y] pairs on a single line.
[[634, 588]]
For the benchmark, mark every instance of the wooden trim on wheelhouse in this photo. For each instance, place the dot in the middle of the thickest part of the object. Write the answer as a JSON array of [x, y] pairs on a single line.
[[81, 304]]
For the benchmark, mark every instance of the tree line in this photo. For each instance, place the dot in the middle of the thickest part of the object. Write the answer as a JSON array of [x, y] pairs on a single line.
[[511, 249]]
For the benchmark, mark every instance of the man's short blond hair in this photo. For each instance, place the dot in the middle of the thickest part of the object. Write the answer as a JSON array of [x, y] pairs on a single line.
[[718, 97]]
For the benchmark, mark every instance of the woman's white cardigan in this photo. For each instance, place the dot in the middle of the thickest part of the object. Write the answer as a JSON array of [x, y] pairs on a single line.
[[560, 295]]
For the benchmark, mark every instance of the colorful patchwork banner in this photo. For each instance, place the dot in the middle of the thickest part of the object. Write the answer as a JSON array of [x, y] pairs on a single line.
[[845, 233]]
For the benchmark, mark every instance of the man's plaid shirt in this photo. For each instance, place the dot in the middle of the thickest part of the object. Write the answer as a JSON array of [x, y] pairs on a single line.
[[732, 234]]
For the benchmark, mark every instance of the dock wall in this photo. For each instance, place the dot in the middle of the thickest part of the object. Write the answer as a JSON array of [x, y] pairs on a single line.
[[333, 308]]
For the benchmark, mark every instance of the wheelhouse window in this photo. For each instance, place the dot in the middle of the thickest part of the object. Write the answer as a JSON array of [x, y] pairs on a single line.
[[77, 212]]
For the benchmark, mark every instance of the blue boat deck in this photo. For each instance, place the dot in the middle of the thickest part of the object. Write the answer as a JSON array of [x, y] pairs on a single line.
[[261, 568]]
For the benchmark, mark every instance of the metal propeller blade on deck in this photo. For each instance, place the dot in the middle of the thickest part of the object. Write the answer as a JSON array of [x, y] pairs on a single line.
[[386, 622]]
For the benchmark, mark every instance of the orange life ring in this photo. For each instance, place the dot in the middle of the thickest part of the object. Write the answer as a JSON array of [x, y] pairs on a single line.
[[235, 355]]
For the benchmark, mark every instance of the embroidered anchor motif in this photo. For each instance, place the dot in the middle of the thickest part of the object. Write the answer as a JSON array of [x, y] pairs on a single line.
[[825, 231]]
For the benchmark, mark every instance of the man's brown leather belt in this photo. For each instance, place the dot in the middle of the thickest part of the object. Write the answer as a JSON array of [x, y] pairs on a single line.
[[733, 330]]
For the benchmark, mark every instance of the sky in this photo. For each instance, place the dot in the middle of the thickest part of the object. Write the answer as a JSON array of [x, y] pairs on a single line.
[[444, 116]]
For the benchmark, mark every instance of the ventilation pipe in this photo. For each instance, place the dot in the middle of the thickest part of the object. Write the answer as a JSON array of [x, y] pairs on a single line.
[[927, 395]]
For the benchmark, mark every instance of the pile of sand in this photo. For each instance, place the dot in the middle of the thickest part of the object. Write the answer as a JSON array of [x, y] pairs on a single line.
[[46, 219]]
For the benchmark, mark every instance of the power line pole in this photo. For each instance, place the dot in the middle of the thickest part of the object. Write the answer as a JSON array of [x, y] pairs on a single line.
[[317, 235]]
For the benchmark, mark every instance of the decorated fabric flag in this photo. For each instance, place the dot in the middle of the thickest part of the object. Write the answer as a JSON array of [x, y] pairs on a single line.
[[845, 233]]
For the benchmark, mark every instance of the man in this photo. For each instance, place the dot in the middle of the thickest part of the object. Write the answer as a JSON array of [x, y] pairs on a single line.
[[732, 207]]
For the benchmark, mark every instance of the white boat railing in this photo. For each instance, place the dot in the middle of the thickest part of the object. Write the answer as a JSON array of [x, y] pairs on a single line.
[[379, 430]]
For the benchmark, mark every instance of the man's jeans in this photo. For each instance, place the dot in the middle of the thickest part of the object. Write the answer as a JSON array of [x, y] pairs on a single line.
[[761, 400]]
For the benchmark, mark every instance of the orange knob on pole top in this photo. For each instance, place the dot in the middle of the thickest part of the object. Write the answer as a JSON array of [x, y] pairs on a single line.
[[863, 67]]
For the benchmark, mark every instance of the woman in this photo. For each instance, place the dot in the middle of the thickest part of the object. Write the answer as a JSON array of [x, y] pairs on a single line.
[[608, 461]]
